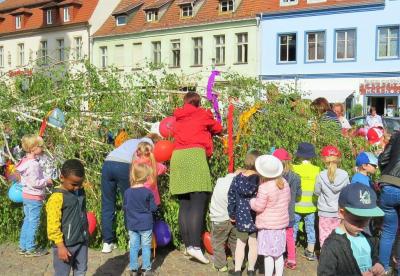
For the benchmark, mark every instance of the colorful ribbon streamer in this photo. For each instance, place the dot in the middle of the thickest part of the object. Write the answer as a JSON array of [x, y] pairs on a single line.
[[212, 97], [230, 138], [244, 120]]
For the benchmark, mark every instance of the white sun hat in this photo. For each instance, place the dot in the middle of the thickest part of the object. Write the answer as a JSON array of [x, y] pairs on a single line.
[[269, 166]]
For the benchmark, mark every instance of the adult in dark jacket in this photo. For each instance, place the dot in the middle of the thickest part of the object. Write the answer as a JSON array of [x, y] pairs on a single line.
[[389, 164]]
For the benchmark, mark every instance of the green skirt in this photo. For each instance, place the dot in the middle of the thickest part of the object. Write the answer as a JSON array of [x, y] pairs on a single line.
[[189, 172]]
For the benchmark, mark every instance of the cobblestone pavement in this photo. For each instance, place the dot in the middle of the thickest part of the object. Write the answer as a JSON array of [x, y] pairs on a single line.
[[167, 262]]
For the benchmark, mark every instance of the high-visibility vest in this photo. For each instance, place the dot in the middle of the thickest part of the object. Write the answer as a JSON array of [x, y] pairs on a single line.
[[308, 174]]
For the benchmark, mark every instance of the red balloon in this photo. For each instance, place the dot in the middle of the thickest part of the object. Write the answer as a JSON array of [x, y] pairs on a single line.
[[91, 217], [207, 242], [163, 150], [167, 126]]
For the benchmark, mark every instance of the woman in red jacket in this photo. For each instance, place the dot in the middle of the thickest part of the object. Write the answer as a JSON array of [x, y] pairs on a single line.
[[190, 177]]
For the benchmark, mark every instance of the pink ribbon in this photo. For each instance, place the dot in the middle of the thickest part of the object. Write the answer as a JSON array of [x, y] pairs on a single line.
[[211, 96]]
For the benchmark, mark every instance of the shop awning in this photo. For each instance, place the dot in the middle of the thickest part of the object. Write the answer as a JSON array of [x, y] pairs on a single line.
[[333, 96]]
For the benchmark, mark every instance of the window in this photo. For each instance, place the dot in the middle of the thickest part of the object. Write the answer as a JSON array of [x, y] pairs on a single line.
[[78, 47], [1, 56], [287, 48], [43, 52], [137, 55], [315, 46], [242, 48], [315, 1], [176, 53], [345, 44], [156, 52], [219, 49], [66, 14], [198, 51], [21, 54], [60, 50], [18, 21], [187, 10], [152, 15], [121, 20], [49, 17], [119, 56], [104, 57], [289, 2], [388, 42], [226, 5]]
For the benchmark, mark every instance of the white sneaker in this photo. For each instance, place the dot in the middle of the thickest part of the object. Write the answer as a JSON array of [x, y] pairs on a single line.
[[108, 247], [197, 254]]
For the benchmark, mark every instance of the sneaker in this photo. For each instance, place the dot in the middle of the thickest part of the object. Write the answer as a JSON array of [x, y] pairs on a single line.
[[222, 269], [133, 273], [251, 273], [197, 254], [108, 247], [21, 251], [235, 273], [310, 255], [147, 272], [36, 253]]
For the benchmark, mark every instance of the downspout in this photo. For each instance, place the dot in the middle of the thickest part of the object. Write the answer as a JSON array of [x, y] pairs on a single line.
[[259, 50]]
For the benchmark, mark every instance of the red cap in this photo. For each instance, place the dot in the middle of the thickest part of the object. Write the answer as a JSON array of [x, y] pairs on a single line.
[[374, 135], [281, 154], [330, 151]]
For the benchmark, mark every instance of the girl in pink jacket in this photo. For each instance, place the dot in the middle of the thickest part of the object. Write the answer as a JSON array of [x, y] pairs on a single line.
[[271, 206]]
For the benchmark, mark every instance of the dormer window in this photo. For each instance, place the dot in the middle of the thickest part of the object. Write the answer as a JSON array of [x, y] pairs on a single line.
[[67, 17], [152, 15], [187, 10], [289, 2], [49, 17], [227, 5], [18, 22], [121, 20]]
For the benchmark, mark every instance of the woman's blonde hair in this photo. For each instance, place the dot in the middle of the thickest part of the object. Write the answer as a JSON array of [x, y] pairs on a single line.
[[287, 165], [30, 141], [331, 163], [145, 150], [139, 173], [280, 182]]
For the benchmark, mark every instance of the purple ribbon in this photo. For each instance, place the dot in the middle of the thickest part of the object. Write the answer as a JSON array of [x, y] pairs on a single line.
[[212, 97]]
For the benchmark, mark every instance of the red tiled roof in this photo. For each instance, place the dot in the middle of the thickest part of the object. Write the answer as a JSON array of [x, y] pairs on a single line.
[[49, 5], [182, 2], [209, 13], [127, 8], [37, 19], [156, 5], [21, 11], [70, 2]]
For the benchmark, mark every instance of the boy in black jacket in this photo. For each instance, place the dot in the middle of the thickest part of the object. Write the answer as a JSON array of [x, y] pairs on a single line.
[[347, 251]]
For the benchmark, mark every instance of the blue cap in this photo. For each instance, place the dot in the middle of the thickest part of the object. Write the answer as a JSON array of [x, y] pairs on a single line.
[[305, 150], [360, 200], [366, 158]]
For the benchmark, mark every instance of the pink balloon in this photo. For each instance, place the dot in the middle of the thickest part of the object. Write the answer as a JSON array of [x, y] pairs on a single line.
[[167, 126]]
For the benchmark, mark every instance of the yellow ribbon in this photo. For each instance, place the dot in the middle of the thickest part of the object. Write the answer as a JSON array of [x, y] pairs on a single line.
[[244, 120]]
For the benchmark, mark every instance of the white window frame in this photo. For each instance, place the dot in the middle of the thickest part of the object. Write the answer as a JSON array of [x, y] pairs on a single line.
[[18, 22], [219, 49], [1, 56], [242, 47], [197, 51], [156, 52], [187, 10], [288, 35], [120, 17], [317, 41], [103, 57], [21, 54], [78, 47], [60, 49], [49, 17], [346, 45], [288, 2], [44, 52], [227, 5], [389, 38], [315, 1], [152, 15], [67, 15], [176, 53]]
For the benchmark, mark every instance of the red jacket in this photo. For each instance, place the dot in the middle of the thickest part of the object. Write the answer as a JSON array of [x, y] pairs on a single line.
[[194, 127]]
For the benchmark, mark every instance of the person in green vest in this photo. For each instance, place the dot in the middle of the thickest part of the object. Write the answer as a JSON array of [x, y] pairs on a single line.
[[305, 207]]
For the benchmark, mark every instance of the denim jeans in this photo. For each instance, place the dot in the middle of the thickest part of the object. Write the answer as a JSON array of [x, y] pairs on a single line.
[[309, 221], [138, 238], [32, 210], [78, 261], [113, 175], [389, 202]]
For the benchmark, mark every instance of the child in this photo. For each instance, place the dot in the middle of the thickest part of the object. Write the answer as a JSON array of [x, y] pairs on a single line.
[[33, 193], [376, 138], [244, 187], [139, 207], [222, 230], [271, 205], [327, 187], [347, 251], [144, 155], [295, 192], [67, 225], [305, 208], [366, 164]]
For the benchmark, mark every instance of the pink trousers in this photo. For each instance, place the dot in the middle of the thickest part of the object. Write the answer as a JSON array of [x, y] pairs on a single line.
[[290, 245], [326, 226]]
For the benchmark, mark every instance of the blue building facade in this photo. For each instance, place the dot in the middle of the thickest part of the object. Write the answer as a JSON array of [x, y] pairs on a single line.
[[336, 51]]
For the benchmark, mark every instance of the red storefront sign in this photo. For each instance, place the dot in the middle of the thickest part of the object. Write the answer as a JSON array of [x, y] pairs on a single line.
[[380, 87]]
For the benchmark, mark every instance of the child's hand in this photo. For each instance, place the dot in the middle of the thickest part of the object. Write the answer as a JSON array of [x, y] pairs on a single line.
[[367, 273], [49, 182], [232, 221], [378, 270], [63, 253]]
